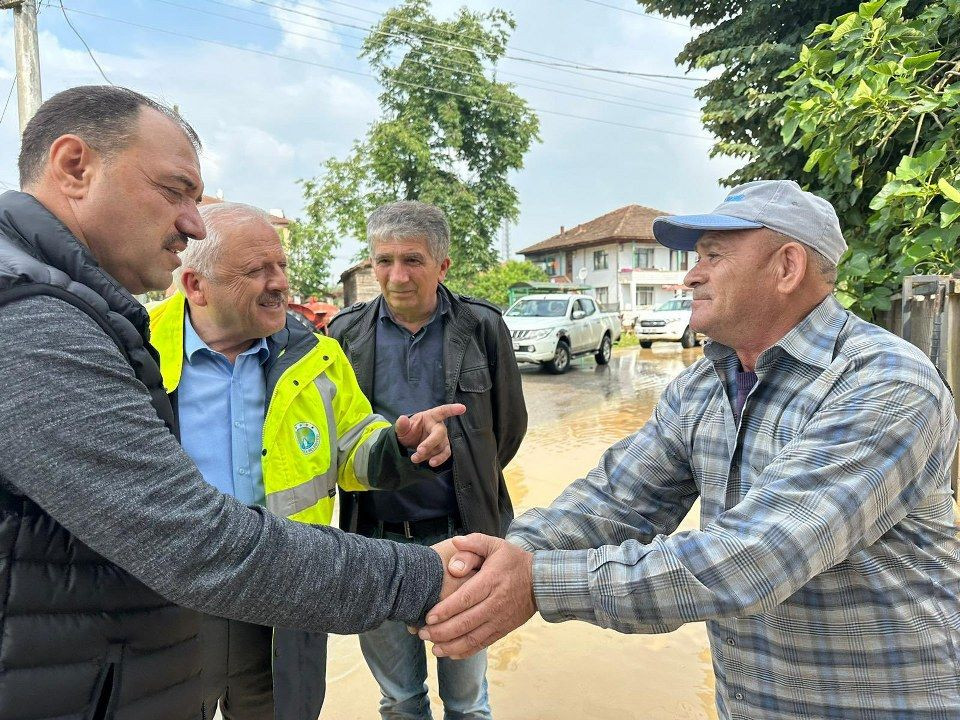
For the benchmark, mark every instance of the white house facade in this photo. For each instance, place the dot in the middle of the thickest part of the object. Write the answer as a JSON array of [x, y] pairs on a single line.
[[617, 256]]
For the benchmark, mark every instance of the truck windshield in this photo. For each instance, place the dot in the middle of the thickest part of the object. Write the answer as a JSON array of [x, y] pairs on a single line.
[[529, 307], [671, 305]]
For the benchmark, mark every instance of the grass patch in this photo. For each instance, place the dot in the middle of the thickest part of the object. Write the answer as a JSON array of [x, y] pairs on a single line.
[[627, 339]]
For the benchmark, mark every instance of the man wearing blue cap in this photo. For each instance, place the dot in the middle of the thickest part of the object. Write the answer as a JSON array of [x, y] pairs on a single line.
[[819, 445]]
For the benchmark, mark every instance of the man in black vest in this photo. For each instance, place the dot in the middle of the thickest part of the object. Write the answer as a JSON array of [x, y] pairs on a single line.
[[106, 526]]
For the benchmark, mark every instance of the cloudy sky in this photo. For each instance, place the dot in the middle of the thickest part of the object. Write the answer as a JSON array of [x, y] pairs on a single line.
[[274, 88]]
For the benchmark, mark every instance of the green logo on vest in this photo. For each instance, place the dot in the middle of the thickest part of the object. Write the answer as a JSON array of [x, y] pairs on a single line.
[[308, 437]]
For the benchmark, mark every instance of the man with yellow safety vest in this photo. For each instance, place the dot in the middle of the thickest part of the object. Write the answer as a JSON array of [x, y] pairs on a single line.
[[273, 415]]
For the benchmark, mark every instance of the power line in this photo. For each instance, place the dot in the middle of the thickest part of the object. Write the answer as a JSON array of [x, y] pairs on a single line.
[[9, 95], [652, 77], [429, 40], [529, 52], [303, 61], [459, 67], [638, 12], [629, 73], [89, 51]]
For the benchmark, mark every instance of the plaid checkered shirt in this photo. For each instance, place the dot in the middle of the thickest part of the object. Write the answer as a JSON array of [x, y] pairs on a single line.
[[826, 565]]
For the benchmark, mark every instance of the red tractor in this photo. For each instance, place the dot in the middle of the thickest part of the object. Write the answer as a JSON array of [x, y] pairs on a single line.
[[314, 314]]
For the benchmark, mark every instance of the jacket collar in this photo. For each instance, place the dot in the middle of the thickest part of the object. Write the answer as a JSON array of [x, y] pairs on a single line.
[[359, 339], [27, 223], [812, 341], [167, 317]]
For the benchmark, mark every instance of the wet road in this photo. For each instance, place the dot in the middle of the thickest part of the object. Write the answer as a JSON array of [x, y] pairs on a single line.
[[571, 671]]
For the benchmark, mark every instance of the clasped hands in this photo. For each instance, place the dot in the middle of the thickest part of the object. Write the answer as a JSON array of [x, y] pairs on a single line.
[[487, 593], [487, 587]]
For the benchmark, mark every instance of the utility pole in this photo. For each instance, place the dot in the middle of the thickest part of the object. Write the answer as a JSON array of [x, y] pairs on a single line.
[[28, 56]]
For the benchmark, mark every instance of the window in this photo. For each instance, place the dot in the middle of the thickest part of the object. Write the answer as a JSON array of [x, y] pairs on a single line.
[[603, 295], [600, 260], [674, 305], [643, 258], [644, 295], [550, 265], [529, 307], [678, 260]]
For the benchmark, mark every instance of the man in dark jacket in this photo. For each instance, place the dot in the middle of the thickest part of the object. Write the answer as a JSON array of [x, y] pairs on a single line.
[[106, 526], [416, 346]]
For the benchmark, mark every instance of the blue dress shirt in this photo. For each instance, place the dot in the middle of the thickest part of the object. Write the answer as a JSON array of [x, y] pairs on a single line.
[[221, 407]]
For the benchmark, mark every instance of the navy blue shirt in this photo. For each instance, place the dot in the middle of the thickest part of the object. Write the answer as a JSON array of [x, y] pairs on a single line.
[[408, 378]]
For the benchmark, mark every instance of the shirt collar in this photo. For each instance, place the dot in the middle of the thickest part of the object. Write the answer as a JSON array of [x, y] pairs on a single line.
[[443, 308], [192, 343], [812, 340]]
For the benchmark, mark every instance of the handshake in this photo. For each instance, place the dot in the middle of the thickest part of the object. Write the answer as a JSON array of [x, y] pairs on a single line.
[[487, 593]]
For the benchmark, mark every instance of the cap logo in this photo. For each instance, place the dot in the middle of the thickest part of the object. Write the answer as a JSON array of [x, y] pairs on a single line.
[[735, 198]]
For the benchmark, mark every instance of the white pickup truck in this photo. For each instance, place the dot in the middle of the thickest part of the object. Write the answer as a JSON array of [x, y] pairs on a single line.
[[552, 329], [667, 321]]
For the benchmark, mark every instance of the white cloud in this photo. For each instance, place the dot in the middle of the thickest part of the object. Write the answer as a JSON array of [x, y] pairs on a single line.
[[305, 33], [266, 121]]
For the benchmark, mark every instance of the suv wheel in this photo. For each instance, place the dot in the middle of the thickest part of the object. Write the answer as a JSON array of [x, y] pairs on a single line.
[[606, 350], [561, 359]]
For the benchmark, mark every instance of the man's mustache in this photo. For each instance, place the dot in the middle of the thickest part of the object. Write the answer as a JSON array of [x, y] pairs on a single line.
[[273, 297], [176, 242]]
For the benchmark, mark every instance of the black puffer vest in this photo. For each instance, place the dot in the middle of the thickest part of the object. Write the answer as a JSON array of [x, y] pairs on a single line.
[[80, 638]]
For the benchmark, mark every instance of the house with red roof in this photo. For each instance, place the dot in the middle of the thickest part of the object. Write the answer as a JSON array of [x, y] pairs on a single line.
[[617, 255]]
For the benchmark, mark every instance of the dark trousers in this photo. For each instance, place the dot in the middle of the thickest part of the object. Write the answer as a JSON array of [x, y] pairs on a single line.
[[262, 673], [237, 669]]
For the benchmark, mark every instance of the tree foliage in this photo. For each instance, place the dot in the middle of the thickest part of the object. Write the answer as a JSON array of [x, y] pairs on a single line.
[[872, 108], [752, 41], [449, 134], [493, 284], [308, 260]]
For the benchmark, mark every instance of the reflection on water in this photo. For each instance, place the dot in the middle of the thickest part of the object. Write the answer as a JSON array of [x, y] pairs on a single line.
[[572, 670], [632, 376]]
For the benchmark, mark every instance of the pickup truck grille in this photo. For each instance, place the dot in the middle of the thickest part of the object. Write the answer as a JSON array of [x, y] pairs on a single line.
[[519, 334], [653, 323]]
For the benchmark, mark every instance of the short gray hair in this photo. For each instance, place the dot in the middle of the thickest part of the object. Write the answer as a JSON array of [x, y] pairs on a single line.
[[825, 267], [219, 218], [410, 219]]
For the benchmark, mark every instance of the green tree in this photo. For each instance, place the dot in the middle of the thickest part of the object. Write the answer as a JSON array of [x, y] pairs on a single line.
[[753, 41], [449, 134], [493, 284], [308, 259], [872, 108]]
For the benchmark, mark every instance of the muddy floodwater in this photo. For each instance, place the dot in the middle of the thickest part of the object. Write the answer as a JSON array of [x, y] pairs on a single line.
[[570, 671]]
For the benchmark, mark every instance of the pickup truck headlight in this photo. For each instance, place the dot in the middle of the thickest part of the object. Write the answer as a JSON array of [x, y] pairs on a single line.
[[541, 334]]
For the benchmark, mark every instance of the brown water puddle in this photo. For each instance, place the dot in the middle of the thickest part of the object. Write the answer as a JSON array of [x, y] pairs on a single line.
[[573, 670]]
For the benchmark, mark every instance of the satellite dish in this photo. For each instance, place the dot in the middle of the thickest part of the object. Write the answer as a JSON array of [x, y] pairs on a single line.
[[582, 274]]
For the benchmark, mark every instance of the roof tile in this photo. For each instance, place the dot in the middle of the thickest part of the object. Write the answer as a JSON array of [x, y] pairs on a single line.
[[632, 222]]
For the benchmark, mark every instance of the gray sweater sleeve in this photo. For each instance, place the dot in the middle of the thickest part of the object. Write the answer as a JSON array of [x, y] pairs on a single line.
[[79, 437]]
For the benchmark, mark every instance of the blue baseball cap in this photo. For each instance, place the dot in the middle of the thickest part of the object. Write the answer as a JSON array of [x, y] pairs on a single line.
[[780, 205]]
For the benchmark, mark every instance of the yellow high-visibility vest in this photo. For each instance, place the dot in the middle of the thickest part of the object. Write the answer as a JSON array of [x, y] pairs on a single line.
[[318, 427]]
